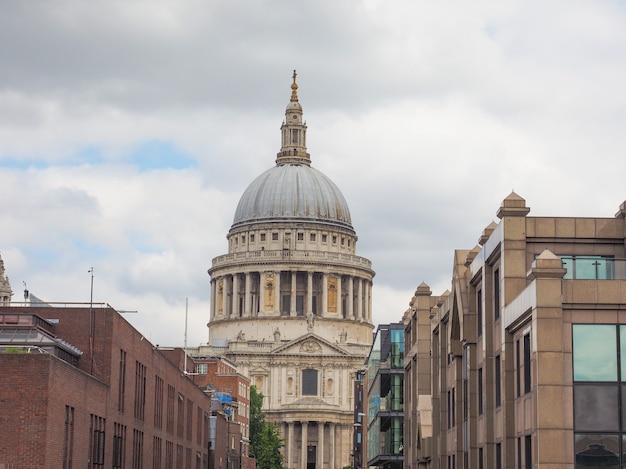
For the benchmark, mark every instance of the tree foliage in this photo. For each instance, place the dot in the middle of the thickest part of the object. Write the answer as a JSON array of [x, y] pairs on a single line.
[[265, 440]]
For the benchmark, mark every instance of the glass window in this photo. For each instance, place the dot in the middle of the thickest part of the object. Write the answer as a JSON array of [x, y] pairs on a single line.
[[588, 267], [622, 347], [590, 449], [595, 352], [498, 382], [309, 382], [595, 408], [479, 313]]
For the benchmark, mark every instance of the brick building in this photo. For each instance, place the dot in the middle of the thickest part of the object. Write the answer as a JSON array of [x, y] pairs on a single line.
[[219, 377], [523, 362], [81, 388]]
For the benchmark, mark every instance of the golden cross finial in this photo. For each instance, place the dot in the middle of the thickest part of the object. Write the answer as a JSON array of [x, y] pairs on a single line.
[[294, 88]]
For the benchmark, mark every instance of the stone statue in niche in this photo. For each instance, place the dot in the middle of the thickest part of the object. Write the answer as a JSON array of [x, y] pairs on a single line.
[[343, 336], [277, 335], [241, 336], [310, 320]]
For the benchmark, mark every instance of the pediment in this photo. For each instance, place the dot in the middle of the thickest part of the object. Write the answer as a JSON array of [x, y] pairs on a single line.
[[309, 344]]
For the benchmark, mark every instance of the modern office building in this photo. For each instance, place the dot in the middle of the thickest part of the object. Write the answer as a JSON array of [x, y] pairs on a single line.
[[80, 387], [291, 302], [385, 398], [522, 363]]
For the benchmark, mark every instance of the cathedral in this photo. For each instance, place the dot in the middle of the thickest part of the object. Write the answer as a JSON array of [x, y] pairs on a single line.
[[291, 302]]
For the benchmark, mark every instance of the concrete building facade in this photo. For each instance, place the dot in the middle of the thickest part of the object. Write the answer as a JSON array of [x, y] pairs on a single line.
[[291, 301], [521, 364]]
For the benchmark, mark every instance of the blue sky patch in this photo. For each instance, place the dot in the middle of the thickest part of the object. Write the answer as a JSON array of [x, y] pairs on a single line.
[[160, 155]]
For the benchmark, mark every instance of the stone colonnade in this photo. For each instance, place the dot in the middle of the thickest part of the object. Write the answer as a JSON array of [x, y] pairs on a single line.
[[318, 442], [291, 293]]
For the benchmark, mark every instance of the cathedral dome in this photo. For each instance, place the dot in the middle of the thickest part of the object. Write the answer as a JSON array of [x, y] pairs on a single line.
[[294, 193]]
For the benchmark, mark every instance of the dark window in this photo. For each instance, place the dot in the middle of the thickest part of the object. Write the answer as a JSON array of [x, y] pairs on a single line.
[[480, 391], [68, 438], [137, 449], [334, 239], [169, 454], [527, 375], [312, 237], [262, 236], [498, 382], [498, 456], [158, 402], [481, 459], [519, 453], [595, 407], [324, 238], [96, 430], [274, 236], [309, 382], [171, 397], [189, 419], [496, 294], [180, 423], [286, 304], [300, 236], [518, 370], [140, 391], [528, 452], [119, 445], [479, 313], [121, 382], [156, 452]]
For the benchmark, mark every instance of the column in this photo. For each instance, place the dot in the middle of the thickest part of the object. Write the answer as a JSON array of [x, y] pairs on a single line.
[[213, 307], [248, 297], [331, 437], [320, 446], [234, 310], [225, 296], [368, 289], [290, 445], [339, 299], [359, 304], [367, 300], [351, 314], [304, 445], [292, 308], [324, 305], [278, 299], [309, 292]]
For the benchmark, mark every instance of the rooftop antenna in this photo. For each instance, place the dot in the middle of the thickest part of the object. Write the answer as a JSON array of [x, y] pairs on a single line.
[[185, 344], [91, 321]]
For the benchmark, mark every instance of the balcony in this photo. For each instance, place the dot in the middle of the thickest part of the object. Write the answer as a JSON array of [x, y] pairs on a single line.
[[267, 257]]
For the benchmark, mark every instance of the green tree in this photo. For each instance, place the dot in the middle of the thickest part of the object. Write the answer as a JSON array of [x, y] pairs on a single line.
[[265, 440]]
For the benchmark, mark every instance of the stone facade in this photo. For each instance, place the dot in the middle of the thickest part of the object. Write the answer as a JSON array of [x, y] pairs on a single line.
[[5, 286], [291, 302], [518, 365]]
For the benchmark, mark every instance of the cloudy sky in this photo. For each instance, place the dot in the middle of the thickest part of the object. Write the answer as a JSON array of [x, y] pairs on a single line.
[[129, 129]]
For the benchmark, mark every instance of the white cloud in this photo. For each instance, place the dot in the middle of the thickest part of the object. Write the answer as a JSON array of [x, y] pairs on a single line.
[[426, 115]]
